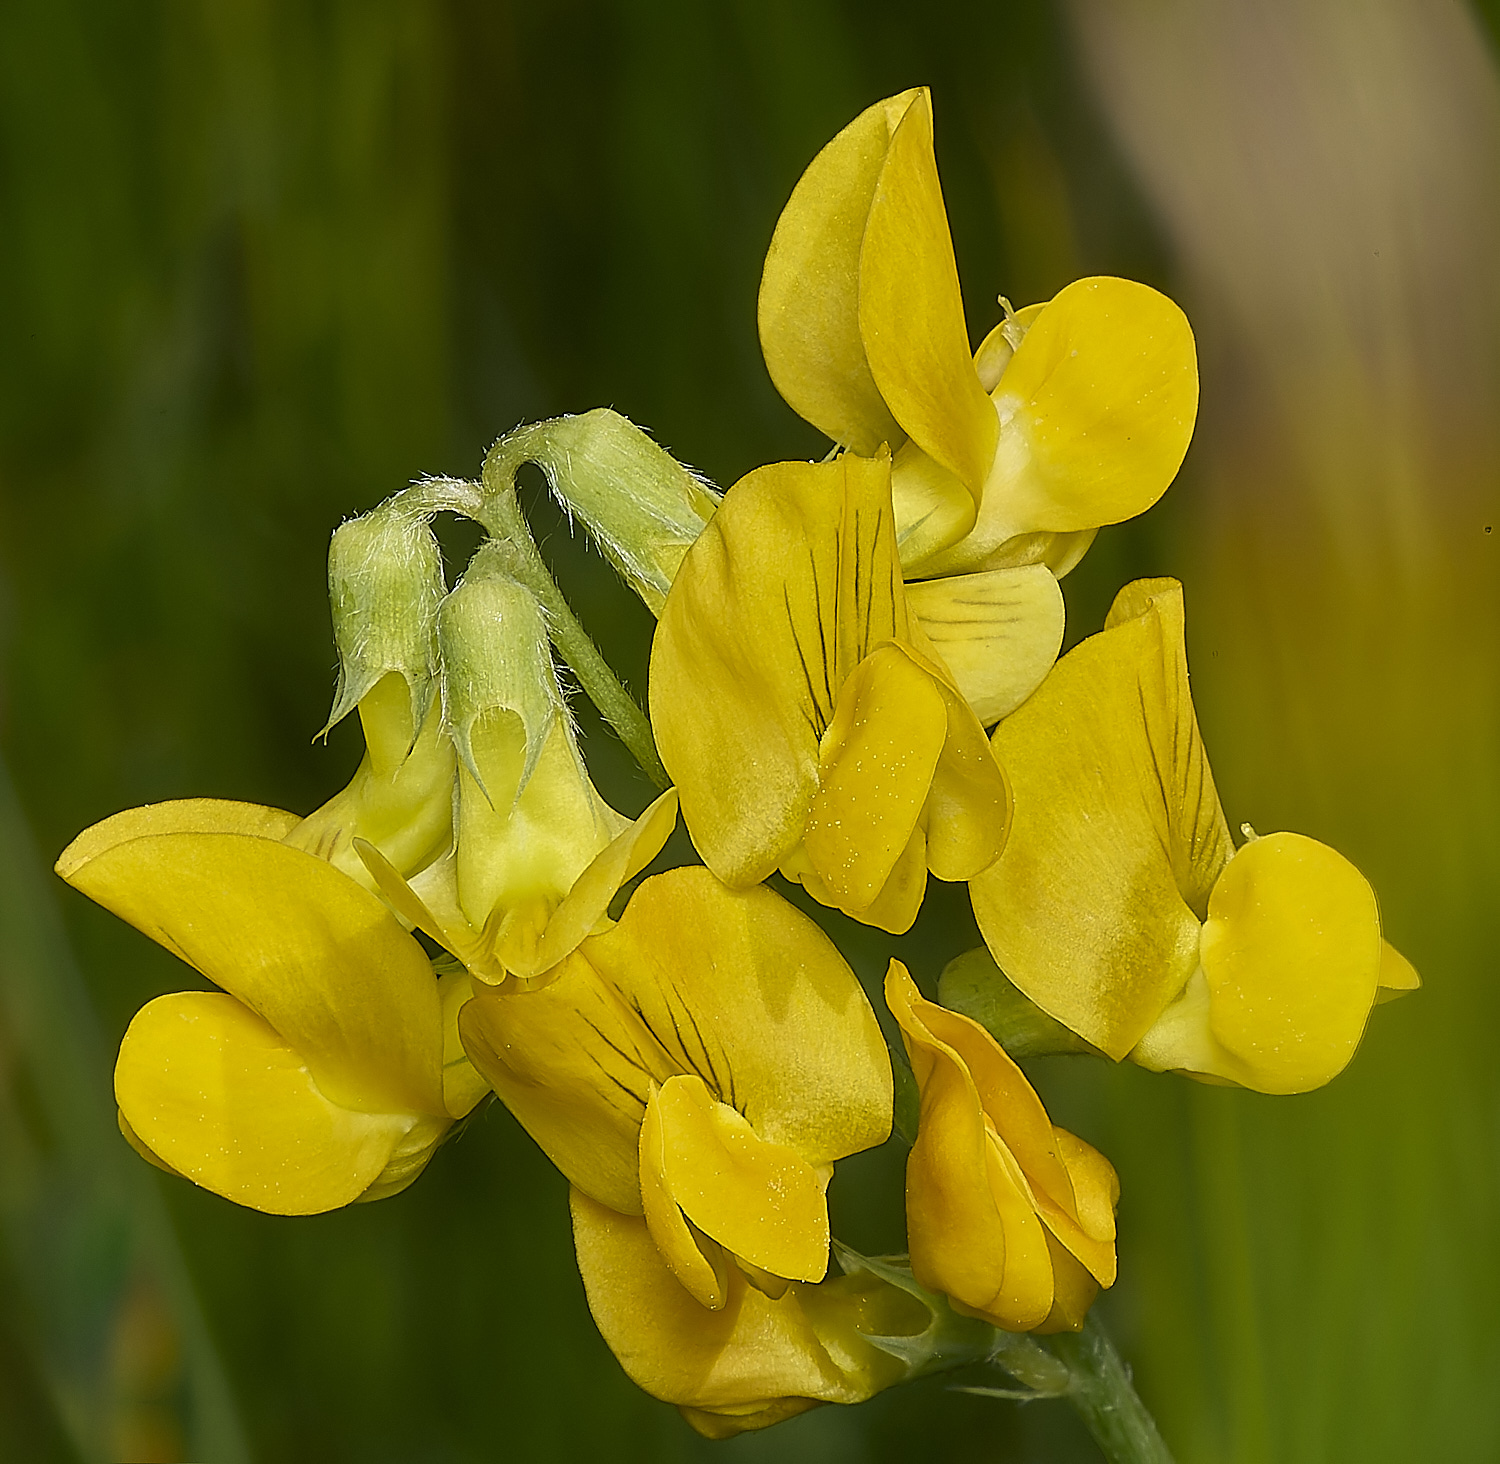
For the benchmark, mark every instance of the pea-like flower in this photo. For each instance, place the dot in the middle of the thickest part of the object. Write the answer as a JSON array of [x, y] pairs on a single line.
[[701, 1064], [802, 712], [327, 1069], [1010, 1216], [1120, 905], [1071, 415]]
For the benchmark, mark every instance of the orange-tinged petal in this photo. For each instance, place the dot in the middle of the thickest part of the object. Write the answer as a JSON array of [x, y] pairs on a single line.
[[318, 957], [218, 1095], [954, 1230], [761, 1201], [1025, 1297], [809, 294], [911, 313], [1292, 954]]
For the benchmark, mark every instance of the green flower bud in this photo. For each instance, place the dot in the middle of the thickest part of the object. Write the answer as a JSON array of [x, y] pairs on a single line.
[[385, 582], [642, 507], [529, 820]]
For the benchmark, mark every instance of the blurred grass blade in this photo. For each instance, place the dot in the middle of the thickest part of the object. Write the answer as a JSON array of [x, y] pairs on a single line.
[[106, 1303]]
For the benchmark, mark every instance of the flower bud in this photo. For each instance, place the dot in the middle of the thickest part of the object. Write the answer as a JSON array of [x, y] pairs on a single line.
[[529, 820], [385, 582], [643, 508]]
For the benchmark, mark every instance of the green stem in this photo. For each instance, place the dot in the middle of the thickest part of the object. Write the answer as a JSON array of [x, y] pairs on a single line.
[[501, 515], [1103, 1396]]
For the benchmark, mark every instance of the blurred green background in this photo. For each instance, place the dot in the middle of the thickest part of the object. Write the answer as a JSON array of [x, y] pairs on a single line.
[[262, 261]]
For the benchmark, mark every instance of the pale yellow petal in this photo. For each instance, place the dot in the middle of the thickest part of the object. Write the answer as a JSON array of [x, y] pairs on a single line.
[[1094, 907], [1292, 954], [181, 816], [586, 904], [998, 632], [216, 1094], [809, 293], [911, 313], [318, 957]]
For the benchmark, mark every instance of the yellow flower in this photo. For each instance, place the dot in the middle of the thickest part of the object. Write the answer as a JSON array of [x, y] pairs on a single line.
[[1010, 1216], [1070, 415], [700, 1064], [801, 712], [1120, 905], [538, 854], [755, 1360], [327, 1069]]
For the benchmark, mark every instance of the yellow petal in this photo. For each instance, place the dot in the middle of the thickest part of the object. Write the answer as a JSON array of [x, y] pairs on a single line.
[[697, 1262], [968, 808], [1096, 410], [1397, 974], [933, 509], [520, 854], [1094, 907], [1007, 1099], [955, 1232], [911, 313], [809, 293], [748, 993], [738, 988], [758, 1200], [401, 797], [217, 1094], [1073, 1291], [575, 1066], [1292, 954], [755, 1360], [791, 584], [320, 959], [585, 905], [1089, 1233], [463, 1085], [998, 632], [1026, 1294], [181, 816], [878, 757]]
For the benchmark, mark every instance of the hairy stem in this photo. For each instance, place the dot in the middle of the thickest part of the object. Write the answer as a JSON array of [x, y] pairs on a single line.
[[501, 515], [1101, 1392]]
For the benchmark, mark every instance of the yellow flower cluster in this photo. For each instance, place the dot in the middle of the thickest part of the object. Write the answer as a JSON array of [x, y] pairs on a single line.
[[833, 641]]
